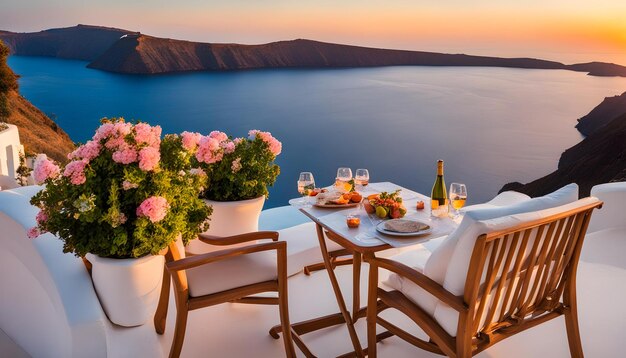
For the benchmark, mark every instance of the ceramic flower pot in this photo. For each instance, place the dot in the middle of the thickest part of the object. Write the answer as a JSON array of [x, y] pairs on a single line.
[[128, 289], [230, 218]]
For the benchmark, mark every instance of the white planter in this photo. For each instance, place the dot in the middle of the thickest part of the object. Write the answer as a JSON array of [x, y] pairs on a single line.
[[128, 289], [230, 218]]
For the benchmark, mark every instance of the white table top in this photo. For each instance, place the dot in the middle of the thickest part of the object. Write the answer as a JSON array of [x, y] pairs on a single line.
[[366, 235]]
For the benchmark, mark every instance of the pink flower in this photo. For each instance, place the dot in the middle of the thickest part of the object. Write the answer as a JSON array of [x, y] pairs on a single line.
[[209, 150], [252, 133], [116, 135], [190, 140], [122, 128], [114, 143], [41, 217], [76, 171], [45, 169], [87, 151], [147, 134], [125, 156], [103, 132], [236, 165], [273, 143], [149, 158], [238, 140], [197, 171], [33, 232], [229, 147], [154, 208], [126, 185], [219, 136]]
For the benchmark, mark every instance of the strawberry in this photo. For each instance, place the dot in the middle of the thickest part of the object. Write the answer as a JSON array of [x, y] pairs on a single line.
[[420, 205], [395, 214]]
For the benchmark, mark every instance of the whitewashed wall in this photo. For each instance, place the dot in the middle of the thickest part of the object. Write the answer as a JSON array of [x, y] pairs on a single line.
[[10, 148]]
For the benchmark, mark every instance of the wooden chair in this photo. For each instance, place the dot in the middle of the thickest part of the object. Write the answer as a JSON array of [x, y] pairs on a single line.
[[521, 274], [198, 289]]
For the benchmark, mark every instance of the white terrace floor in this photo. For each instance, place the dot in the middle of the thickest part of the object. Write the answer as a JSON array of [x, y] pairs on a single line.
[[239, 330]]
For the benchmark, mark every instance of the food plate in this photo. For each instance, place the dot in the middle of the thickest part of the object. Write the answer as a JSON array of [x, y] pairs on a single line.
[[381, 228], [334, 206], [337, 200]]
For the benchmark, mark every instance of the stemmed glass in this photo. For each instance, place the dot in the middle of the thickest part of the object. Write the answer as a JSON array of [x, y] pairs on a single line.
[[344, 175], [306, 184], [362, 178], [458, 196]]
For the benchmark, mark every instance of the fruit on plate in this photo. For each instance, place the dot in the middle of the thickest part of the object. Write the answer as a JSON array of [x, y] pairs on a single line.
[[420, 205], [381, 212], [341, 200], [385, 205], [355, 197]]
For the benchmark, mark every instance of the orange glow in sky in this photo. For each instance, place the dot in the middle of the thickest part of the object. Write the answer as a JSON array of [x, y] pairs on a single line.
[[563, 30]]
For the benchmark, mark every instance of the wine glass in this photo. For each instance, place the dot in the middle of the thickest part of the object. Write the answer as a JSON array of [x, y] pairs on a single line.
[[458, 195], [362, 178], [306, 184], [344, 175]]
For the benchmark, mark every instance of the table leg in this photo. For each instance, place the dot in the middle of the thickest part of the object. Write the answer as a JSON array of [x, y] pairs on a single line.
[[338, 295], [356, 286]]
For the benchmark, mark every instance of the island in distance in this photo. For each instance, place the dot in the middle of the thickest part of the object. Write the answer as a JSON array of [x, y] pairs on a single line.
[[131, 52]]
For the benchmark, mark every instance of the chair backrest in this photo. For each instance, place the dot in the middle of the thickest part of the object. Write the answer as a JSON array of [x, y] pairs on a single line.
[[176, 251], [521, 266], [458, 245]]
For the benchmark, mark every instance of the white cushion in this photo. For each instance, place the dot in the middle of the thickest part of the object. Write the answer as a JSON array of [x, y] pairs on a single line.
[[303, 247], [416, 259], [231, 273], [502, 199], [613, 211], [503, 204], [302, 250], [459, 263]]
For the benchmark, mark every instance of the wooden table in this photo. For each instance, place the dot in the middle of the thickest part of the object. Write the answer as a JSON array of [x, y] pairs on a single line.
[[358, 242]]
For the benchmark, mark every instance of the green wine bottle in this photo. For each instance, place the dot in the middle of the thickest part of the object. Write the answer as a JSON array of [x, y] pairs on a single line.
[[439, 196]]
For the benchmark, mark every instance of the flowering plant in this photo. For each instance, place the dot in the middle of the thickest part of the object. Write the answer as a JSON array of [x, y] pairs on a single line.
[[237, 169], [123, 194]]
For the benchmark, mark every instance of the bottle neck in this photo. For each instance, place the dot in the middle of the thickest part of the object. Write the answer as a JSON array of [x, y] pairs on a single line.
[[440, 168]]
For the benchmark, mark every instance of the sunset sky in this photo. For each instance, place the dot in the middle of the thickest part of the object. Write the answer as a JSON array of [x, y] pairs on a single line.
[[563, 30]]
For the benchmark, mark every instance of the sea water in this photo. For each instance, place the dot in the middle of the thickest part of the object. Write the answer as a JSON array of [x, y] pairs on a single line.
[[490, 125]]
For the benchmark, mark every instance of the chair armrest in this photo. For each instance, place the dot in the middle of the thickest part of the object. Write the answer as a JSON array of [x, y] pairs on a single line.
[[421, 280], [202, 259], [238, 239]]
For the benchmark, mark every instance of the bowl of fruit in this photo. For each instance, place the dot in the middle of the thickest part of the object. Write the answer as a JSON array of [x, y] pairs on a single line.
[[385, 205]]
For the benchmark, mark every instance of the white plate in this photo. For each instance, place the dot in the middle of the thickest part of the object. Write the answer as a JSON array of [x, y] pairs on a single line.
[[381, 229]]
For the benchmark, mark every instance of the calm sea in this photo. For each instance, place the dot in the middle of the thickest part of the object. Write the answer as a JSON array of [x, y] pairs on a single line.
[[490, 125]]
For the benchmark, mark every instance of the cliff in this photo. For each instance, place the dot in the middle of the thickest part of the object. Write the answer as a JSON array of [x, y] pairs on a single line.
[[82, 42], [144, 54], [38, 133], [599, 158], [604, 113], [110, 50]]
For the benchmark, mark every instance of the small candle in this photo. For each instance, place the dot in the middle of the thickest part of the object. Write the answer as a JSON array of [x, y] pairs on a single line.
[[353, 221]]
